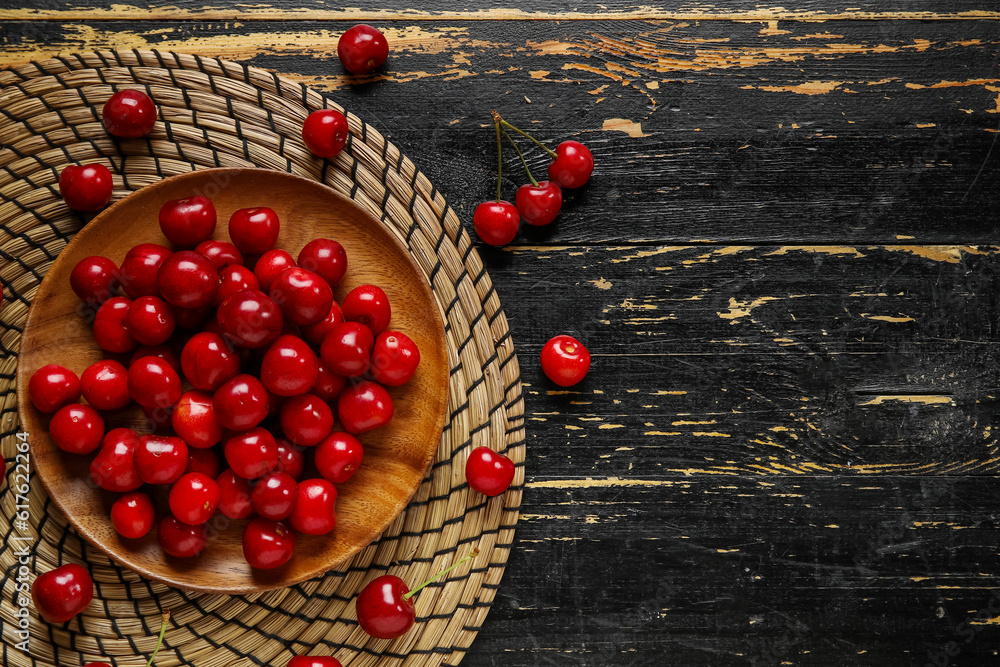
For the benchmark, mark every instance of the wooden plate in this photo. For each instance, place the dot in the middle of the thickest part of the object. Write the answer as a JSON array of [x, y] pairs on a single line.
[[397, 455]]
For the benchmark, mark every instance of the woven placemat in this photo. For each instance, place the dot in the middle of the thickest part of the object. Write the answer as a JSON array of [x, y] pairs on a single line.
[[215, 113]]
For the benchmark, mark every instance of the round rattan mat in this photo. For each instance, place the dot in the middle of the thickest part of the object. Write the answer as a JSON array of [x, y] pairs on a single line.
[[215, 113]]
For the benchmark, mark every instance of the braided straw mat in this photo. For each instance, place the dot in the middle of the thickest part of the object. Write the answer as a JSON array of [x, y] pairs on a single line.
[[215, 113]]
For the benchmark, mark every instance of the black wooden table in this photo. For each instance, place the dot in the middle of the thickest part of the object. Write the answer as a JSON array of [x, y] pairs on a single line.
[[785, 452]]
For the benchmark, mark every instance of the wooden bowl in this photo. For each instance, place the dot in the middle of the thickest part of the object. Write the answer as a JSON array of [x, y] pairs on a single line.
[[397, 455]]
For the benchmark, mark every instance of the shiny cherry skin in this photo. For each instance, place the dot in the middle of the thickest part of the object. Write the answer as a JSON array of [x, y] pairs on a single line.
[[382, 609], [539, 204], [270, 265], [160, 459], [77, 428], [488, 472], [250, 319], [339, 456], [291, 459], [273, 497], [85, 187], [306, 419], [325, 132], [154, 383], [233, 279], [328, 384], [129, 114], [325, 257], [220, 253], [62, 593], [113, 469], [133, 514], [362, 49], [205, 461], [289, 367], [193, 420], [194, 498], [304, 297], [251, 454], [188, 280], [254, 230], [241, 403], [52, 387], [234, 495], [314, 661], [164, 352], [267, 544], [573, 165], [140, 269], [347, 349], [188, 222], [105, 385], [110, 332], [364, 406], [94, 279], [150, 320], [496, 222], [179, 539], [395, 358], [369, 305], [315, 333], [314, 510], [208, 361], [565, 360]]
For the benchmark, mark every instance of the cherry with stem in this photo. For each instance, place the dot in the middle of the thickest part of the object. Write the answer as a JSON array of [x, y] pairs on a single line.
[[572, 162], [497, 222], [538, 203]]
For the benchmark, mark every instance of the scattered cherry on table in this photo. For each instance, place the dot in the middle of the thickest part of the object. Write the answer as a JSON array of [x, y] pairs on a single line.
[[325, 132], [85, 187], [62, 593], [129, 114], [565, 360], [488, 472], [362, 49]]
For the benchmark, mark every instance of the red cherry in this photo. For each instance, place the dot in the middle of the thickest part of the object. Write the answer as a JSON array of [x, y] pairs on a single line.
[[304, 297], [161, 351], [179, 539], [188, 279], [208, 362], [52, 387], [193, 498], [132, 515], [205, 461], [369, 305], [110, 332], [289, 367], [384, 609], [77, 428], [252, 453], [291, 459], [220, 253], [394, 358], [339, 456], [488, 472], [273, 497], [233, 279], [325, 257], [150, 320], [496, 222], [160, 459], [315, 333], [241, 403], [325, 132], [154, 383], [192, 318], [565, 360], [234, 495], [270, 265], [193, 420], [105, 385], [85, 187], [314, 512], [250, 319], [362, 49], [254, 230], [62, 593], [140, 269], [129, 114], [539, 204], [364, 406], [113, 468], [94, 279], [328, 384], [347, 349], [314, 661], [188, 222], [267, 544], [573, 165], [306, 419]]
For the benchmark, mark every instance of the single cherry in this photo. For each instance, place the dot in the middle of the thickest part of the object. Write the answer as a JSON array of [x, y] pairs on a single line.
[[496, 222], [325, 132], [270, 265], [252, 453], [573, 164], [140, 269], [347, 349], [315, 333], [85, 187], [94, 279], [110, 332], [565, 360], [52, 387], [291, 459], [362, 49], [394, 358], [289, 367], [369, 305], [364, 406], [129, 114], [254, 230], [304, 297], [234, 495], [179, 539], [488, 472], [193, 420], [188, 222], [194, 498], [113, 468], [208, 361], [205, 461], [250, 319], [273, 496], [220, 253], [62, 593], [325, 257], [160, 459], [105, 385], [233, 279], [77, 428], [154, 383], [314, 510], [328, 384], [339, 456], [306, 419], [132, 515], [188, 279], [150, 320], [241, 403], [539, 203], [267, 544]]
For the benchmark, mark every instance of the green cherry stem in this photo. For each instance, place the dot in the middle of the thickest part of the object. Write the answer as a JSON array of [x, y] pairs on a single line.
[[530, 177], [496, 125], [159, 642], [472, 554], [545, 148]]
